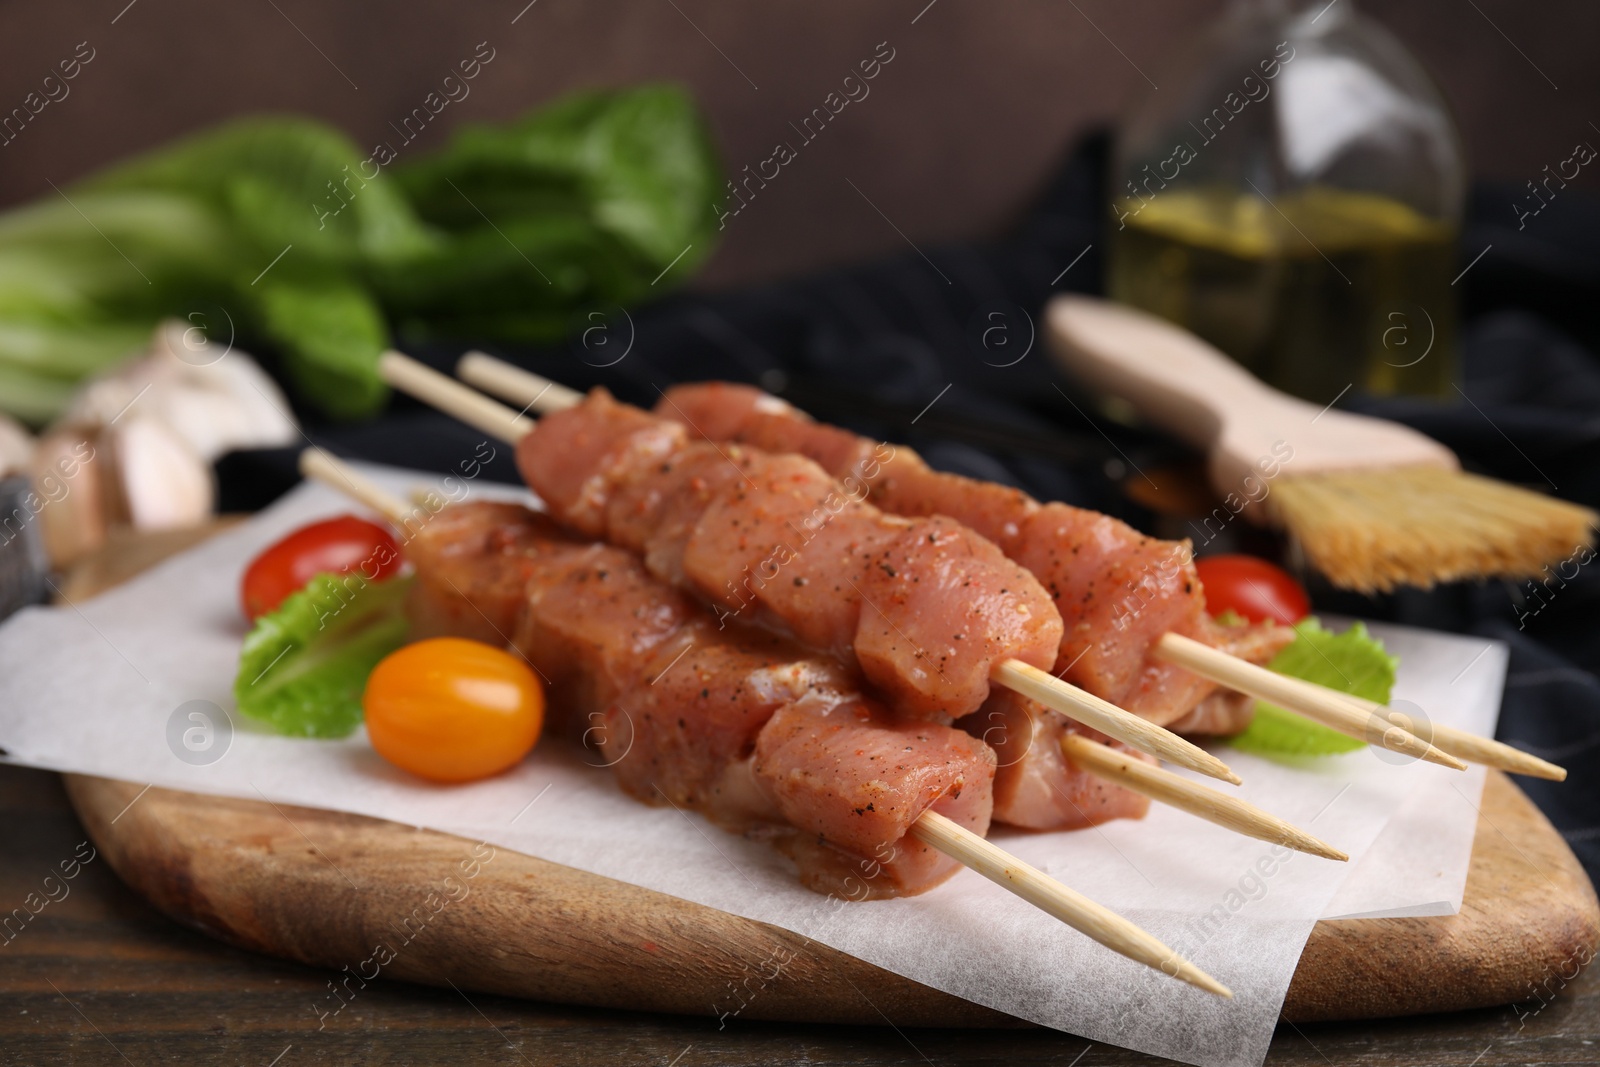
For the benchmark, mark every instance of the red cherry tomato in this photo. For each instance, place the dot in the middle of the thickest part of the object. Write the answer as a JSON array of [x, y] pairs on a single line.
[[333, 546], [452, 710], [1253, 588]]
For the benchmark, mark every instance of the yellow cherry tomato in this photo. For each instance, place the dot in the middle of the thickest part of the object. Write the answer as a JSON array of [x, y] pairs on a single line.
[[452, 710]]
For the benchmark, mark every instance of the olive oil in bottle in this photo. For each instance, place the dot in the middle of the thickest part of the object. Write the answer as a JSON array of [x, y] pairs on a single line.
[[1317, 291]]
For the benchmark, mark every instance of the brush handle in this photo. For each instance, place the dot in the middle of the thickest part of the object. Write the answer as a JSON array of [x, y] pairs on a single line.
[[1171, 377], [1193, 391]]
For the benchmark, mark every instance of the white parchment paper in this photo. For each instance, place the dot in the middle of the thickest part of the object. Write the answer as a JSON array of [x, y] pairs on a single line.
[[1418, 865], [97, 688]]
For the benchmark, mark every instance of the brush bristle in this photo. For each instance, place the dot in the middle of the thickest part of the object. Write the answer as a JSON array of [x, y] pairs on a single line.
[[1375, 529]]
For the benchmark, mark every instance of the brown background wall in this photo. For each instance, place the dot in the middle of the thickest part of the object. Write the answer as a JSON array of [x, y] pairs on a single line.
[[959, 129]]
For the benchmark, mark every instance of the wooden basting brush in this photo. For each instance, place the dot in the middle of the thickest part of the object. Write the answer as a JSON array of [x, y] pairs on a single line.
[[1374, 505]]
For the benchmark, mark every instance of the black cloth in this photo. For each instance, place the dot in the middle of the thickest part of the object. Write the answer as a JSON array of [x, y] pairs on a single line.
[[932, 347]]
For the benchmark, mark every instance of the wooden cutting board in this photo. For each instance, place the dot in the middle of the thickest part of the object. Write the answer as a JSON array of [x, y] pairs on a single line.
[[325, 888], [328, 889]]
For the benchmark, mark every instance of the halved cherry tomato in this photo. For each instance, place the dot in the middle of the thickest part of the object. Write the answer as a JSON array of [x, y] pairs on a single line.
[[1253, 588], [335, 546], [452, 710]]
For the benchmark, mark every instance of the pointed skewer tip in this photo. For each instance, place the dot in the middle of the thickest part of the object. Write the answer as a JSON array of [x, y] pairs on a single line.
[[1187, 972], [1444, 759], [1314, 847]]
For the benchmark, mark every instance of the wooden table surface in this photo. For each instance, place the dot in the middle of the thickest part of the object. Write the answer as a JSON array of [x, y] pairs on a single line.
[[97, 976]]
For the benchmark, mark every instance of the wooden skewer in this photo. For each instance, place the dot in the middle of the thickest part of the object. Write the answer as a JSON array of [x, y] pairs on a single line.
[[1053, 898], [429, 386], [1310, 700], [1314, 702], [1192, 797], [1082, 706], [339, 476], [950, 838], [336, 474], [1049, 895], [450, 396], [501, 379], [1474, 749], [1458, 742]]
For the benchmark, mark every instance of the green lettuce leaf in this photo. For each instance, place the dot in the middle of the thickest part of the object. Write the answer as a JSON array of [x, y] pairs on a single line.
[[596, 201], [279, 180], [303, 668], [331, 334], [1354, 662]]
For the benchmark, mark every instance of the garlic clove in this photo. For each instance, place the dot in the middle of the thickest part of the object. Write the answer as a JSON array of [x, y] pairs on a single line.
[[75, 490], [165, 483], [16, 446], [215, 396]]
